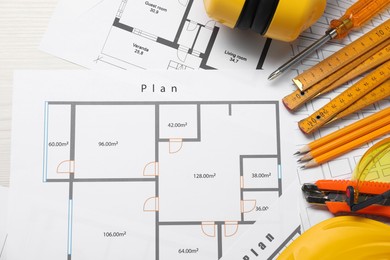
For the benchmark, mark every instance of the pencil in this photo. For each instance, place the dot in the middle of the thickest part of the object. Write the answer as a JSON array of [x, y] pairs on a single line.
[[346, 138], [343, 131], [323, 158]]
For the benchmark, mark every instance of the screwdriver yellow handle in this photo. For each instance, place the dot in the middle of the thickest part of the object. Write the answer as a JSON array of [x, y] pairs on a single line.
[[356, 15]]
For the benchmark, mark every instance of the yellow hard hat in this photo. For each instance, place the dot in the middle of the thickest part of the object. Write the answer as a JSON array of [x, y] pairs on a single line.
[[343, 237], [277, 19]]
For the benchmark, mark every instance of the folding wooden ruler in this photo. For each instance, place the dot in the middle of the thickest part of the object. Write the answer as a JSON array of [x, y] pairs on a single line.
[[369, 52], [340, 59], [378, 78], [364, 63]]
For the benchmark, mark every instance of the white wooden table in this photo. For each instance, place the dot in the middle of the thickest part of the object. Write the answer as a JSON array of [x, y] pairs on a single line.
[[22, 25]]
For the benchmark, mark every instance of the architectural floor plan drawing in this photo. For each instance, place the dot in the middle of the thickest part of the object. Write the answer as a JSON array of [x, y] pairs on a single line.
[[156, 34], [180, 32], [278, 231], [170, 168], [177, 34], [120, 172]]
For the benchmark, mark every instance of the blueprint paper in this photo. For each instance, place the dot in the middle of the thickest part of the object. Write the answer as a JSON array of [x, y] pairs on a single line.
[[129, 34], [272, 232], [106, 165], [3, 220], [176, 34]]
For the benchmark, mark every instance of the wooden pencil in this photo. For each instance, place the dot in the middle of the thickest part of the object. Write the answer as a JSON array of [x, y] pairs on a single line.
[[346, 138], [343, 131], [323, 158]]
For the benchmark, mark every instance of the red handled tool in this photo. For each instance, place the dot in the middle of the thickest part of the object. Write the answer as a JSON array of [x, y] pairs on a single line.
[[341, 196]]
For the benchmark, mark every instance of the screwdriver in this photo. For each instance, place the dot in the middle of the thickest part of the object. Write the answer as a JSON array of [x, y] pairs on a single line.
[[359, 13]]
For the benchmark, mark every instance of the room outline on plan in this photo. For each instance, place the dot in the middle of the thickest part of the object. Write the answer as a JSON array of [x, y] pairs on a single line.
[[189, 173], [175, 34]]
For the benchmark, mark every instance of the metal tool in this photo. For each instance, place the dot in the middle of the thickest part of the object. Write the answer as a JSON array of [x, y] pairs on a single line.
[[368, 192], [359, 13], [338, 196]]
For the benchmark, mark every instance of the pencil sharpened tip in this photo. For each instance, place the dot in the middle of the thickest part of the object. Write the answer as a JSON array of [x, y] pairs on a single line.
[[297, 153], [274, 74], [302, 167]]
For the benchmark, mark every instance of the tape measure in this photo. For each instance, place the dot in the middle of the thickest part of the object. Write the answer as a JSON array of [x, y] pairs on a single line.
[[346, 99], [339, 59], [272, 18], [371, 59]]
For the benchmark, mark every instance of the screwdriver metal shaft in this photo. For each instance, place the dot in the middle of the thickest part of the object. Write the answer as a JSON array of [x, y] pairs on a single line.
[[331, 34], [359, 13]]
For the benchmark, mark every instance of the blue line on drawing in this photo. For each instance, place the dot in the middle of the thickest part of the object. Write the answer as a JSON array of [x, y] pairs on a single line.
[[70, 220], [279, 171], [45, 144]]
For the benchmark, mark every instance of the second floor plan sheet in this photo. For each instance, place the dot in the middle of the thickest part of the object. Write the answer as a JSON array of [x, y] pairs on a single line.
[[146, 165], [156, 34], [177, 35]]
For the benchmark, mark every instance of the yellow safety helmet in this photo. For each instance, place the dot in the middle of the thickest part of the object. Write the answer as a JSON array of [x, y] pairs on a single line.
[[277, 19], [344, 237]]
